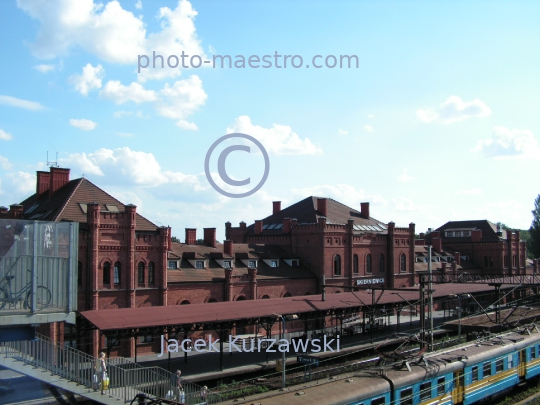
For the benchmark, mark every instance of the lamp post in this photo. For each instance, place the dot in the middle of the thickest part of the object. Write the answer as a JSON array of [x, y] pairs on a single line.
[[459, 297], [283, 354]]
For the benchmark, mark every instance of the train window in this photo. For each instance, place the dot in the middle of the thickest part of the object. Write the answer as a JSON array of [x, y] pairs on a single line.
[[406, 397], [378, 401], [425, 391], [440, 386], [533, 352], [499, 365], [474, 373], [487, 369]]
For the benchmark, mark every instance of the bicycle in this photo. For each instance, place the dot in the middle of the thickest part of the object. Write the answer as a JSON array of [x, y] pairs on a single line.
[[43, 295]]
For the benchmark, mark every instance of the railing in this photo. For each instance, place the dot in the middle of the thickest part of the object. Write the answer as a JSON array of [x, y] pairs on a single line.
[[525, 279], [127, 379]]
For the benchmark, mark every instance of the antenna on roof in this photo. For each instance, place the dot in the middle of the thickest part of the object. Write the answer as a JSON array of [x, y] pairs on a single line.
[[54, 163]]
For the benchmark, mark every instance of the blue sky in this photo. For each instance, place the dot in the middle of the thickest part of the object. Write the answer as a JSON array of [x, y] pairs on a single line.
[[438, 122]]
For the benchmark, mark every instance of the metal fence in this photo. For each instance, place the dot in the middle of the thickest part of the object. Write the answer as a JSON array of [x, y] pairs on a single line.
[[127, 379], [38, 266]]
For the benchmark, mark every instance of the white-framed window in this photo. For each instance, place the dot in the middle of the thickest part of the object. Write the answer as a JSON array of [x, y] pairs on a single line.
[[449, 234], [173, 264], [199, 264], [227, 264], [252, 264], [273, 263]]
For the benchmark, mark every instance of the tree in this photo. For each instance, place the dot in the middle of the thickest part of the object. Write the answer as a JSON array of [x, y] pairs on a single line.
[[533, 244], [175, 239]]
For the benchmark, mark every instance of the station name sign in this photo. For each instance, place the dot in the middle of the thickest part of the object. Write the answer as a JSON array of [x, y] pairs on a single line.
[[366, 281]]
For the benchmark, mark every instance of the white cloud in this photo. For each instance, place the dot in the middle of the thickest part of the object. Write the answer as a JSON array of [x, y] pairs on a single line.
[[44, 68], [404, 204], [506, 142], [89, 79], [182, 99], [84, 124], [454, 109], [368, 128], [126, 134], [21, 183], [370, 116], [5, 136], [280, 139], [344, 193], [470, 191], [112, 33], [126, 166], [117, 92], [342, 132], [4, 163], [122, 113], [17, 102], [404, 176]]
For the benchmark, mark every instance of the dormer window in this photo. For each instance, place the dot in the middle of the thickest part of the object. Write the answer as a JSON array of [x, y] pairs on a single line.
[[227, 264], [273, 263], [252, 264], [199, 264], [173, 264]]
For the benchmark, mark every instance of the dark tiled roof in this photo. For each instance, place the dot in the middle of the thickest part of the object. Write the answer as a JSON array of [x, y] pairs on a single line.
[[214, 272], [489, 231], [63, 205], [305, 212]]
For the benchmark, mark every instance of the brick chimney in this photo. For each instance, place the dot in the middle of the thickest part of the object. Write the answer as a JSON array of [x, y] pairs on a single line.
[[437, 244], [457, 257], [210, 237], [364, 210], [43, 182], [321, 206], [228, 247], [276, 207], [287, 225], [191, 236], [3, 210], [476, 235], [258, 226], [58, 178], [16, 211], [443, 267]]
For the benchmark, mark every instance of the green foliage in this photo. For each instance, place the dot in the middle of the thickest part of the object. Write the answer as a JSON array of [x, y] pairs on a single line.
[[533, 245], [175, 239]]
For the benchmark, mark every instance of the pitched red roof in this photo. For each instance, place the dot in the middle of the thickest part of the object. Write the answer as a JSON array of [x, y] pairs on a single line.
[[64, 204]]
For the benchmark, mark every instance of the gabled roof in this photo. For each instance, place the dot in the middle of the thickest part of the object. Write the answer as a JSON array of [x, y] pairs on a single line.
[[65, 204], [489, 231], [305, 212]]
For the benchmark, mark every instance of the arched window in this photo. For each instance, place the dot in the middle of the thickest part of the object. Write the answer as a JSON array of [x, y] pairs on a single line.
[[117, 272], [337, 265], [212, 300], [106, 273], [287, 294], [368, 263], [265, 297], [185, 302], [151, 273], [381, 263], [355, 264], [241, 298], [514, 261], [79, 274], [491, 262], [403, 263], [505, 261], [140, 274]]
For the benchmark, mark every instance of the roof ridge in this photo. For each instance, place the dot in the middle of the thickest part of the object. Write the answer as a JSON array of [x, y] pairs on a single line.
[[79, 181]]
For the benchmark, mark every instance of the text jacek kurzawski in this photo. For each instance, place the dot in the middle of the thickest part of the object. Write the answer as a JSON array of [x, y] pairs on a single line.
[[249, 345]]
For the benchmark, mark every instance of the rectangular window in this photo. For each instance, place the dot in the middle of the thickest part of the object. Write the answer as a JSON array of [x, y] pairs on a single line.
[[273, 263], [474, 373], [499, 365], [406, 397], [173, 264], [199, 264], [378, 401], [146, 339], [425, 391], [227, 265], [441, 389], [252, 264], [449, 234], [487, 369], [533, 352]]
